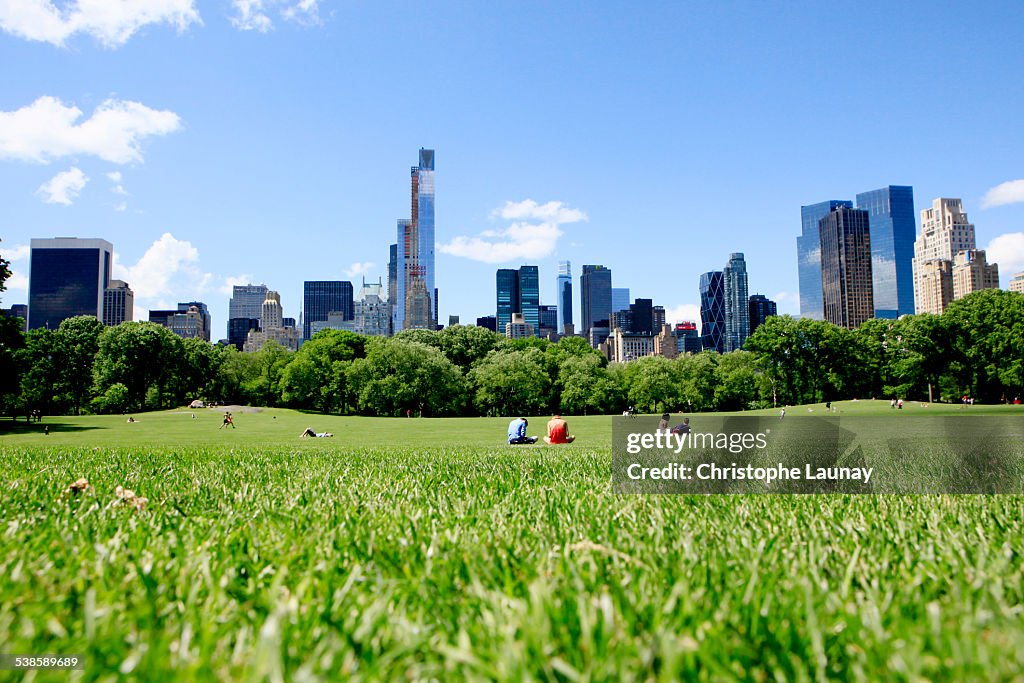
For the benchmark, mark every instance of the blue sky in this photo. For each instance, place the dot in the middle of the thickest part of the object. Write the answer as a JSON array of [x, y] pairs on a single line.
[[270, 141]]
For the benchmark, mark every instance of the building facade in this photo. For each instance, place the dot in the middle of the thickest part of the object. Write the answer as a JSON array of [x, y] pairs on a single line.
[[761, 308], [737, 302], [620, 299], [238, 330], [488, 322], [945, 232], [415, 295], [67, 277], [246, 303], [972, 273], [893, 229], [688, 337], [1017, 283], [563, 297], [808, 248], [272, 327], [846, 281], [518, 328], [507, 287], [595, 298], [118, 303], [712, 311], [320, 297], [372, 313]]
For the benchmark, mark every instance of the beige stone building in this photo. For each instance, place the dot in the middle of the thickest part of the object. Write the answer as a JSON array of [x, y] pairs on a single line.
[[272, 321], [1017, 283], [933, 285], [973, 273], [945, 232]]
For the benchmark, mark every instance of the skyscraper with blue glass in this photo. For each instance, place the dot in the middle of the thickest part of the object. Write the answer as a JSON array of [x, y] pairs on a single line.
[[564, 296], [712, 311], [808, 248], [416, 295], [737, 306], [518, 291], [67, 278], [595, 297], [893, 231]]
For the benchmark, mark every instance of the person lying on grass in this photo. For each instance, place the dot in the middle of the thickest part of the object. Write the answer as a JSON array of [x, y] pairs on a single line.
[[558, 431], [316, 435]]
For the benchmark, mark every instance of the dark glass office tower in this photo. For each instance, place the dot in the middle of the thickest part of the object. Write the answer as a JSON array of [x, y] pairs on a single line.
[[595, 297], [529, 296], [67, 278], [808, 248], [712, 311], [508, 297], [641, 314], [846, 284], [761, 308], [893, 231], [238, 330], [321, 297], [564, 296]]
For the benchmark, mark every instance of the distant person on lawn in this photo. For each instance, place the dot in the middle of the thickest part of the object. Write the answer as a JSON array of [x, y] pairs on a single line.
[[558, 431], [517, 432]]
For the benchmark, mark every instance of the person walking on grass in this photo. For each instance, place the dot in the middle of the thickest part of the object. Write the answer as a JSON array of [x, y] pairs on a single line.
[[228, 421]]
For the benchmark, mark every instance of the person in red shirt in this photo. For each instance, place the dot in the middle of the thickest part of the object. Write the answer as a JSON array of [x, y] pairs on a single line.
[[558, 431]]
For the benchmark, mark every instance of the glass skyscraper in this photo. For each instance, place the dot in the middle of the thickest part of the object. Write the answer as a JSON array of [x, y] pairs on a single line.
[[416, 295], [320, 297], [808, 248], [595, 297], [737, 304], [518, 291], [620, 299], [508, 296], [761, 308], [564, 296], [893, 231], [846, 283], [67, 277], [712, 311]]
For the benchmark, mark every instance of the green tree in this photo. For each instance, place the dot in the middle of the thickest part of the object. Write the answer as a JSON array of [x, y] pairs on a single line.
[[697, 378], [262, 386], [316, 377], [467, 345], [987, 332], [41, 383], [652, 384], [399, 375], [77, 342], [12, 341], [585, 386], [737, 381], [144, 357], [512, 383]]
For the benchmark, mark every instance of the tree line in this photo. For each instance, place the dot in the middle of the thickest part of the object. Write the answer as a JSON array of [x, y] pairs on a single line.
[[976, 347]]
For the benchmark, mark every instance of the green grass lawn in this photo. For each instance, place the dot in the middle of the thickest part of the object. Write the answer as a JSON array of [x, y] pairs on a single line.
[[426, 549]]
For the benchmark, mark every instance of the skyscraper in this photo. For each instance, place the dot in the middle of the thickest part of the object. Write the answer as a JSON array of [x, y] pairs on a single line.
[[392, 284], [846, 283], [246, 303], [1017, 283], [620, 299], [272, 327], [893, 228], [518, 291], [595, 297], [761, 308], [712, 311], [563, 297], [204, 313], [416, 296], [548, 321], [67, 277], [118, 303], [320, 297], [972, 273], [945, 232], [507, 282], [737, 303], [808, 247]]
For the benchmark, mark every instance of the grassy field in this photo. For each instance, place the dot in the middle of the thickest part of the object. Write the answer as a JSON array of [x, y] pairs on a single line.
[[426, 549]]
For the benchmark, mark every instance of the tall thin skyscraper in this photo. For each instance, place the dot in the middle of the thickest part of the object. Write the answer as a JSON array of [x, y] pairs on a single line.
[[808, 248], [564, 296], [507, 285], [416, 295], [392, 285], [321, 297], [68, 277], [846, 283], [712, 311], [118, 303], [529, 296], [893, 229], [737, 304], [595, 297]]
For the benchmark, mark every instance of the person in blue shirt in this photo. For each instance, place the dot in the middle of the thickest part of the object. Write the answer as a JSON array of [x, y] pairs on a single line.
[[517, 432]]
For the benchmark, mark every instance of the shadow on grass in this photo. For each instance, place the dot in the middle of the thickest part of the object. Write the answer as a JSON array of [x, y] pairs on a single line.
[[7, 427]]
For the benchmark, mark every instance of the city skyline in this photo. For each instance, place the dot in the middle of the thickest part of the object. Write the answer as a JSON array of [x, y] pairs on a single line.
[[282, 160]]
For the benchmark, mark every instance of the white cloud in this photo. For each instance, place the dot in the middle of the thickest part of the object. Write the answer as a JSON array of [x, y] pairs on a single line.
[[357, 269], [111, 22], [114, 176], [15, 253], [533, 235], [64, 187], [47, 129], [169, 266], [227, 286], [1010, 192], [17, 282], [254, 15], [1008, 251], [121, 207], [681, 313], [787, 303]]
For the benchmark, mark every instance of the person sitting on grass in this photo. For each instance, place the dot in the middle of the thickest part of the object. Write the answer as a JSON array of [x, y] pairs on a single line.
[[316, 435], [683, 427], [517, 432], [558, 431]]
